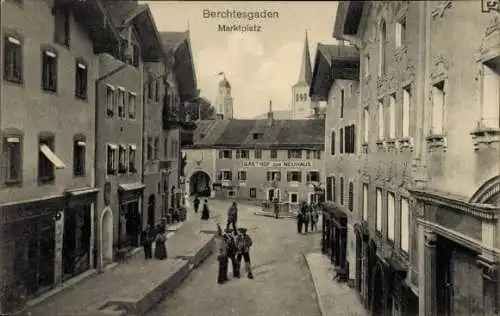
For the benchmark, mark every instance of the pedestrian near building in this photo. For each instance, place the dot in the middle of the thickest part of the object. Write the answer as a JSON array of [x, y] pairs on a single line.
[[243, 244], [160, 248], [307, 217], [276, 208], [232, 216], [221, 248], [205, 212], [196, 204], [230, 238], [147, 241], [314, 218]]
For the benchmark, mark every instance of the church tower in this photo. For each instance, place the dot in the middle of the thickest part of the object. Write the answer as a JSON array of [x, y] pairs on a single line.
[[302, 106], [224, 100]]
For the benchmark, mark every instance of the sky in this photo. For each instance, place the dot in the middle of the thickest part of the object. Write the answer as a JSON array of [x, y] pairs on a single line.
[[260, 66]]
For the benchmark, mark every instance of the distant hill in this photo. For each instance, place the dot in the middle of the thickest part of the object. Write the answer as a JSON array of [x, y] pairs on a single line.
[[278, 115]]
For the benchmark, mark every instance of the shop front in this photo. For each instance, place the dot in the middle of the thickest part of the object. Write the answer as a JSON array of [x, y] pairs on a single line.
[[334, 239], [361, 267], [130, 228]]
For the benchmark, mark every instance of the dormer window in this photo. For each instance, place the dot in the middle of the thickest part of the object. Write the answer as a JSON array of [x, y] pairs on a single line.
[[257, 135]]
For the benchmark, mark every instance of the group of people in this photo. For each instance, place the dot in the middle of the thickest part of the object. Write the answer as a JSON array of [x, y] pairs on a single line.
[[308, 215], [158, 236], [233, 245]]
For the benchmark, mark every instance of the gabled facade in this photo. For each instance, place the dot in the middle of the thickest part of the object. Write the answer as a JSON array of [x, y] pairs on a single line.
[[47, 120], [446, 96], [335, 80]]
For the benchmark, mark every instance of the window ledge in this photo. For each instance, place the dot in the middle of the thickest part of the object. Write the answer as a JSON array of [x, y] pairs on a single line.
[[380, 145], [294, 183], [436, 142], [12, 182], [484, 137], [243, 183], [405, 143]]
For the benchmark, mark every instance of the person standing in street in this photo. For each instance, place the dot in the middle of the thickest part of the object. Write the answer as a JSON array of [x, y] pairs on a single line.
[[232, 216], [243, 244], [147, 242], [307, 217], [276, 208], [160, 248], [221, 248], [205, 212], [230, 239], [196, 204]]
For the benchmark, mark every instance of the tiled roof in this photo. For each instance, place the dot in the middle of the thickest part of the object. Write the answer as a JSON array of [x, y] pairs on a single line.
[[307, 134], [171, 40]]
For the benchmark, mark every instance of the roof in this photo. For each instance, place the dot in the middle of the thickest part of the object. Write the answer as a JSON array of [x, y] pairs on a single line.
[[348, 17], [172, 40], [277, 114], [305, 74], [282, 134]]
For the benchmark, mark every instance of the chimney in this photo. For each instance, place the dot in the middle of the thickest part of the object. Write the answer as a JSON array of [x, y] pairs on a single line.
[[270, 117]]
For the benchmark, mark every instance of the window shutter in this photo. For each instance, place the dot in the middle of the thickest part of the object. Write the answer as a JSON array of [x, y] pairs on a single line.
[[341, 139], [221, 154], [238, 154], [230, 154], [278, 176], [334, 189], [329, 188], [308, 177], [332, 149], [354, 138], [288, 176], [299, 178], [230, 175], [269, 176], [219, 176]]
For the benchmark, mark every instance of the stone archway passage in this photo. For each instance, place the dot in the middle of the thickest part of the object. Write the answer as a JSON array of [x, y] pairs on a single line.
[[107, 236], [199, 184]]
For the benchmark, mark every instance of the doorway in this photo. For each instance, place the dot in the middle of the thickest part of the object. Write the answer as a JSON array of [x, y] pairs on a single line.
[[273, 194], [107, 236], [199, 184], [378, 297], [133, 223], [76, 241], [151, 210], [359, 261], [444, 277]]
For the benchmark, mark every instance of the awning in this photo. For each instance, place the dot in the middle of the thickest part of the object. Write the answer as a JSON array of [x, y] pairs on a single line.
[[133, 147], [121, 88], [131, 186], [110, 86], [13, 140], [52, 157], [81, 143], [82, 191], [112, 146]]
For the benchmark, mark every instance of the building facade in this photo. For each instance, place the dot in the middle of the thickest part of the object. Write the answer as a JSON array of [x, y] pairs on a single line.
[[336, 81], [48, 198], [257, 159], [432, 103], [224, 101], [302, 105]]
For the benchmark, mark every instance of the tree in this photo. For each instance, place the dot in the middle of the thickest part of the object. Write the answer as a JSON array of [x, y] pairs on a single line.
[[198, 106]]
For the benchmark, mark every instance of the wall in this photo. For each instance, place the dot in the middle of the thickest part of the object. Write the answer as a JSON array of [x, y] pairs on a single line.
[[206, 159], [60, 113], [300, 109]]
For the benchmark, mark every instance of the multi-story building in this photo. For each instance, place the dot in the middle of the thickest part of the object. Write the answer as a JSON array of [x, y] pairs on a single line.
[[440, 238], [180, 87], [257, 159], [48, 107], [336, 81], [120, 124]]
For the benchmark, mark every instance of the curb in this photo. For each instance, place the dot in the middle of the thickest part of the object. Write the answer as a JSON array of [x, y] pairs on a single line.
[[318, 296], [266, 214]]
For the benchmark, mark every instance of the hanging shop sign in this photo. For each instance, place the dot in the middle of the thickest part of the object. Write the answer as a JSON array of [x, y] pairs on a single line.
[[277, 164]]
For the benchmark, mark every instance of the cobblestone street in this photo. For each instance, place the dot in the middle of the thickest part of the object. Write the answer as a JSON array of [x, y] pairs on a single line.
[[282, 284]]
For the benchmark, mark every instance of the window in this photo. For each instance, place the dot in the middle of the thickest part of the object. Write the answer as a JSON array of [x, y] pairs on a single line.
[[405, 225], [225, 154], [342, 103], [390, 215], [350, 139], [380, 120], [365, 202], [61, 26], [257, 135], [294, 176], [406, 112], [135, 55], [329, 189], [342, 190], [341, 140], [157, 91], [242, 154], [79, 146], [351, 196], [156, 148], [490, 105], [49, 70], [12, 151], [367, 65], [150, 88], [132, 110], [149, 152], [121, 102], [378, 219], [438, 101], [258, 153], [253, 193], [274, 176], [312, 176], [122, 159], [317, 154], [81, 80], [332, 144], [47, 160], [392, 116], [110, 100], [400, 32], [381, 49], [165, 147], [308, 154], [111, 159], [227, 175], [334, 189], [294, 198], [131, 158], [366, 125], [294, 154], [13, 60], [274, 154], [242, 175], [175, 148]]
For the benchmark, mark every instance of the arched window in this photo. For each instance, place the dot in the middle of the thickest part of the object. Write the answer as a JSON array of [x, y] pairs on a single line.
[[382, 48]]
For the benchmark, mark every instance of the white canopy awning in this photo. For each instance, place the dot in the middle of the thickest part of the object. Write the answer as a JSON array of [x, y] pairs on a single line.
[[52, 157]]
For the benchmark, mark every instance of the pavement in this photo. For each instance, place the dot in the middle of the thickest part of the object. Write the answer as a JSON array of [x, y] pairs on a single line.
[[133, 287], [333, 298]]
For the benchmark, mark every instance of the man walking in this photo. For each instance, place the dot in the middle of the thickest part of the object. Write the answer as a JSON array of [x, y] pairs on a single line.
[[243, 244], [196, 204], [232, 216], [230, 239], [222, 256]]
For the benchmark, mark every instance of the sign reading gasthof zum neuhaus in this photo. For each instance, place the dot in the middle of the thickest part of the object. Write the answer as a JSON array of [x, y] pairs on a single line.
[[282, 164]]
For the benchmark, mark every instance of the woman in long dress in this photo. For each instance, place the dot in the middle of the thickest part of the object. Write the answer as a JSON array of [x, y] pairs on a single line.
[[205, 213], [160, 248]]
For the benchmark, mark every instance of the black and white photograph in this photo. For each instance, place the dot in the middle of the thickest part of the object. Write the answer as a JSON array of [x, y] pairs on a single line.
[[249, 158]]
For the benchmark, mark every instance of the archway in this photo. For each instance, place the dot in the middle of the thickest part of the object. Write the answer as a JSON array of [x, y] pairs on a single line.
[[488, 193], [378, 291], [359, 260], [151, 210], [199, 184], [107, 236]]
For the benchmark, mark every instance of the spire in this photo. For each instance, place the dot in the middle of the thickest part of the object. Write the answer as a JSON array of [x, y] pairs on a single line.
[[305, 74]]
